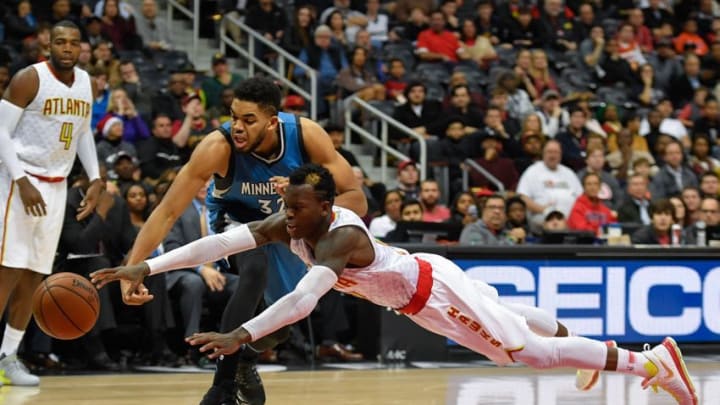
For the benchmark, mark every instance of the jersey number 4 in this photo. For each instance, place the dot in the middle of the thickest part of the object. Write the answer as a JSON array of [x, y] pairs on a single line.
[[66, 132], [266, 206]]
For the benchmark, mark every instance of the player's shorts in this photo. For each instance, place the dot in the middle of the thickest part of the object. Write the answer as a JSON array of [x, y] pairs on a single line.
[[28, 242], [469, 315]]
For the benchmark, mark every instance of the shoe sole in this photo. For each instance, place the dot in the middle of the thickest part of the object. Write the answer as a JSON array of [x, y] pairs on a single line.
[[677, 358], [596, 373]]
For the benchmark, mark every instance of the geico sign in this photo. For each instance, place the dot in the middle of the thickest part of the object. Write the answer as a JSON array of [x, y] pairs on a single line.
[[624, 299]]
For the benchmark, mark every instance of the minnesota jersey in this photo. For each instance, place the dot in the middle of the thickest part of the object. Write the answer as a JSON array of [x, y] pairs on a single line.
[[390, 280], [49, 129], [245, 194]]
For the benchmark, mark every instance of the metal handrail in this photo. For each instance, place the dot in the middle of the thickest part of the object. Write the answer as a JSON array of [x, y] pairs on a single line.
[[194, 15], [475, 166], [276, 72], [383, 142]]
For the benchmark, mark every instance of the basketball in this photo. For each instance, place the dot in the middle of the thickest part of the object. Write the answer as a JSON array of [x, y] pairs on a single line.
[[66, 306]]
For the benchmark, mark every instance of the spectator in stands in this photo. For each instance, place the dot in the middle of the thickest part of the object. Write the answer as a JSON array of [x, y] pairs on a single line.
[[453, 149], [591, 48], [683, 87], [103, 57], [540, 74], [589, 213], [354, 20], [328, 60], [134, 127], [125, 8], [499, 98], [410, 211], [516, 212], [495, 162], [396, 82], [20, 24], [477, 47], [188, 289], [627, 152], [557, 27], [487, 22], [574, 140], [125, 172], [194, 127], [548, 184], [461, 106], [153, 30], [661, 121], [673, 176], [29, 55], [709, 214], [519, 104], [43, 39], [701, 160], [523, 64], [531, 143], [405, 8], [374, 193], [221, 78], [461, 211], [93, 31], [112, 143], [120, 30], [691, 198], [222, 113], [648, 91], [300, 34], [553, 116], [375, 59], [681, 212], [102, 95], [643, 36], [407, 179], [433, 210], [554, 221], [610, 192], [358, 80], [269, 20], [138, 93], [337, 136], [662, 214], [293, 104], [381, 225], [666, 63], [522, 31], [416, 23], [420, 114], [613, 67], [656, 16], [710, 64], [458, 78], [377, 23], [169, 100], [436, 44], [635, 206], [689, 41], [85, 56], [709, 123], [710, 184], [490, 228], [158, 153]]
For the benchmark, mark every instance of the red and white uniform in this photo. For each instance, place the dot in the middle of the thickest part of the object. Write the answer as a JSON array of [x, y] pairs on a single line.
[[46, 140], [431, 290]]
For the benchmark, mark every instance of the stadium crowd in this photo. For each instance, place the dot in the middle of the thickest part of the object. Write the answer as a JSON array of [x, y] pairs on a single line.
[[588, 113]]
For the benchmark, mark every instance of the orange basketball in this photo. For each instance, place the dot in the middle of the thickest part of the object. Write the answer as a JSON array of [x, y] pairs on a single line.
[[66, 306]]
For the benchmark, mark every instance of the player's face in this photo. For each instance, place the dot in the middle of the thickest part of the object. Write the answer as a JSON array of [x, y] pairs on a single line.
[[305, 212], [64, 48], [251, 126]]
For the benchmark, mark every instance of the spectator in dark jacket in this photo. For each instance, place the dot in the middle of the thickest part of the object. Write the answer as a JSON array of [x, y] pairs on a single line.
[[158, 153], [635, 207], [662, 214]]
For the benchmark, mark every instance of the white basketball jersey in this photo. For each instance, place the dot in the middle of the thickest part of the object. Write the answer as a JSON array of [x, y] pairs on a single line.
[[49, 129], [390, 280]]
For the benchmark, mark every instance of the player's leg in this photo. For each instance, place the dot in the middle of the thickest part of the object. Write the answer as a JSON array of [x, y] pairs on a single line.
[[252, 278]]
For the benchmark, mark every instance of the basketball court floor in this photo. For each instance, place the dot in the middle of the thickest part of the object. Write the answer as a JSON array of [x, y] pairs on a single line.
[[368, 383]]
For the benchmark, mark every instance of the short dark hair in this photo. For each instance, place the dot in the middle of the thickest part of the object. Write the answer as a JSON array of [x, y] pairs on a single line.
[[590, 174], [412, 85], [262, 91], [318, 177], [409, 202], [709, 173], [512, 201], [495, 196], [63, 24], [662, 206]]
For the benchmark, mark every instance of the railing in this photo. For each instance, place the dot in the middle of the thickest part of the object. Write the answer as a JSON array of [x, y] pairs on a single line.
[[475, 166], [194, 15], [278, 72], [382, 143]]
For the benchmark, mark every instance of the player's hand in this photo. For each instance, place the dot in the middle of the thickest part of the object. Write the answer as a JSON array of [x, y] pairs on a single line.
[[280, 183], [219, 344], [214, 279], [87, 205], [134, 295], [31, 198], [134, 274]]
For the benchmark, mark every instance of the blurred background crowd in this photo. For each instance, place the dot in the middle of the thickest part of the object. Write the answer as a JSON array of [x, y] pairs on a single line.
[[594, 118]]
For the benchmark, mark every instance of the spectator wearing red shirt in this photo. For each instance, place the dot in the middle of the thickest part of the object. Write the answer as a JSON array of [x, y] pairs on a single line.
[[433, 211], [643, 36], [436, 44], [589, 213], [690, 40]]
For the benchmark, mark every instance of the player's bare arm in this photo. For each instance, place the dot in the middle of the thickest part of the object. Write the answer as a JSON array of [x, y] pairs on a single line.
[[204, 250], [321, 151], [211, 156], [88, 156], [20, 93], [333, 252]]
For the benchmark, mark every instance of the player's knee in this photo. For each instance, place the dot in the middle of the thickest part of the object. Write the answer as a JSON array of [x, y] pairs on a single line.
[[538, 353]]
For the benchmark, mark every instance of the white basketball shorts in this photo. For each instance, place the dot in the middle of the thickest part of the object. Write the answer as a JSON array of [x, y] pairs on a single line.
[[28, 242]]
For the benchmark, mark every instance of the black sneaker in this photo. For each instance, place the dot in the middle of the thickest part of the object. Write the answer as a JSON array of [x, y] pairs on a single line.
[[250, 386], [221, 394]]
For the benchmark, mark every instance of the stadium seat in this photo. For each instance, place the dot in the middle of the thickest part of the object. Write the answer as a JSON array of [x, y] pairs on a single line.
[[433, 72]]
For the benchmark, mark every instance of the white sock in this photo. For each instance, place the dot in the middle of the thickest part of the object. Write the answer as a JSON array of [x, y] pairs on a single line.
[[11, 340], [635, 363]]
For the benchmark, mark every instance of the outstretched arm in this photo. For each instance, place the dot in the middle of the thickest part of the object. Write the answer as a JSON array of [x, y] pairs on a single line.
[[332, 252]]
